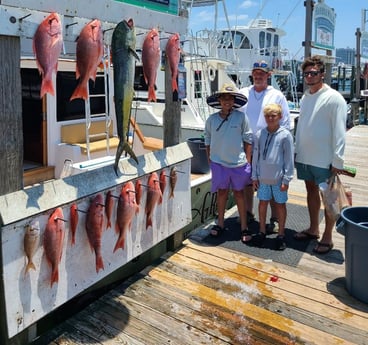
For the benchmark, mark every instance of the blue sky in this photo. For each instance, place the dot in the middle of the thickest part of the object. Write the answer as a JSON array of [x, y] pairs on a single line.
[[289, 15]]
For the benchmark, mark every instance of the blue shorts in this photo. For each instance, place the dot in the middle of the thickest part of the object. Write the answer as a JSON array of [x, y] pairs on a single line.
[[311, 173], [230, 178], [266, 192]]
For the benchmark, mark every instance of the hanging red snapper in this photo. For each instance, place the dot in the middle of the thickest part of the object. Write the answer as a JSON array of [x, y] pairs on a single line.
[[173, 57], [162, 184], [53, 239], [94, 225], [127, 208], [151, 61], [138, 191], [47, 45], [109, 204], [89, 55], [74, 217], [153, 197]]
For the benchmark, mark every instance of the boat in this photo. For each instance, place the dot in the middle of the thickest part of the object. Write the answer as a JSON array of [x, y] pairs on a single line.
[[68, 154]]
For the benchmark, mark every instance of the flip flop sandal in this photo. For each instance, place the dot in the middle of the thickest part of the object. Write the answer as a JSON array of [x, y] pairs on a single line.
[[305, 236], [246, 236], [258, 239], [216, 231], [323, 248]]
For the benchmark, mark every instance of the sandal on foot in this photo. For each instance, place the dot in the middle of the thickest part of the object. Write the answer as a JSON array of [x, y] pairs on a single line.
[[323, 248], [305, 236], [280, 242], [246, 236], [216, 231], [258, 239]]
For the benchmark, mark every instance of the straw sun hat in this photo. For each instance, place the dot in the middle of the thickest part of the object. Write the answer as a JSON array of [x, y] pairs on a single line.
[[231, 89]]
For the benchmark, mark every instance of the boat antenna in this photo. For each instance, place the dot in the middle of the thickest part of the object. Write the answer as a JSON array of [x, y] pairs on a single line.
[[291, 12]]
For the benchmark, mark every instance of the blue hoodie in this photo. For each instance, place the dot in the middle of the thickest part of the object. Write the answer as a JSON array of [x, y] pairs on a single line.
[[273, 157]]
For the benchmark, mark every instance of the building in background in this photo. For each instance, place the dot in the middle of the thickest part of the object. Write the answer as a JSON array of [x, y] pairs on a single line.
[[345, 56]]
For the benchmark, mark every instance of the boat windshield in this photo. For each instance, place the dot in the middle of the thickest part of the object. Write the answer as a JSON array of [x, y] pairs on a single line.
[[239, 39]]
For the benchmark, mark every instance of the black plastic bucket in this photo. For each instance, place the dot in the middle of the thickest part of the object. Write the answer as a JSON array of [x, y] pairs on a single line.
[[354, 225], [199, 161]]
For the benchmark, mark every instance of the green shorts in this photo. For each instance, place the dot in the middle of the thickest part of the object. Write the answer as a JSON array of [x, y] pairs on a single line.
[[311, 173]]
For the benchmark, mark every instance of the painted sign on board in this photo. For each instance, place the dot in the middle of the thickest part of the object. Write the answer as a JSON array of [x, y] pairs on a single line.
[[324, 26], [169, 6]]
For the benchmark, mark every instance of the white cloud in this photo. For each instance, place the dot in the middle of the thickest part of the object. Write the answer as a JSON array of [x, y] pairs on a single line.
[[248, 4]]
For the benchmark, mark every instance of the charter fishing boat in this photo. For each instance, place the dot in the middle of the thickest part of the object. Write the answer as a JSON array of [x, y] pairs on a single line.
[[69, 150]]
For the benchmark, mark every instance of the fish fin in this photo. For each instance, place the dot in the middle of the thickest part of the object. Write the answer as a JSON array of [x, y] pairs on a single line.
[[47, 87], [134, 53], [120, 243], [108, 225], [148, 221], [174, 84], [151, 94], [171, 194], [29, 266], [54, 276], [123, 146], [80, 92], [99, 263]]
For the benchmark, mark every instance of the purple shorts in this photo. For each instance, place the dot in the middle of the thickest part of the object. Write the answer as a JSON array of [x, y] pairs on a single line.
[[230, 178]]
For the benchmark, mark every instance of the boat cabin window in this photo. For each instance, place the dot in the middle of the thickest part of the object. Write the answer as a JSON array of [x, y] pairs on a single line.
[[265, 43], [75, 109], [240, 40]]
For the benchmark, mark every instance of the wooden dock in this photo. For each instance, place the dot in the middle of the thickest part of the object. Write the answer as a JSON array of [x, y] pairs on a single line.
[[211, 295]]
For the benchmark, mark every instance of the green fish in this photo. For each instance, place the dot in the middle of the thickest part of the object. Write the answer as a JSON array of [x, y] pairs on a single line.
[[123, 58]]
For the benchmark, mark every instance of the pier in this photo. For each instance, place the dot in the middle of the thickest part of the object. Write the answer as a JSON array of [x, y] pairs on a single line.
[[203, 294]]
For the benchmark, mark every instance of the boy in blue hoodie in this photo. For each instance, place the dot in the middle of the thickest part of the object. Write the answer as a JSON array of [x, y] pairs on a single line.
[[272, 171]]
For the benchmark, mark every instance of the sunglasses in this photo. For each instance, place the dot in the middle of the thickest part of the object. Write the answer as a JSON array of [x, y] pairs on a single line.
[[311, 73], [262, 65]]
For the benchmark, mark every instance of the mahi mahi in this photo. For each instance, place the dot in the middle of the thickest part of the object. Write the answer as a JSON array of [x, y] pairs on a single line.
[[123, 58]]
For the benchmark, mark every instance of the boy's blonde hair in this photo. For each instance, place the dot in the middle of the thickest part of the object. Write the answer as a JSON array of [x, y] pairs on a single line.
[[272, 108]]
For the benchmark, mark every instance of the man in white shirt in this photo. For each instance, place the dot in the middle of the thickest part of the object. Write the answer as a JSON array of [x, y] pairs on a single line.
[[260, 94], [319, 146]]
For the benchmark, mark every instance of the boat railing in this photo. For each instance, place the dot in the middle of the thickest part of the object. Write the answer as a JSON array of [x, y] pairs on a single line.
[[107, 115]]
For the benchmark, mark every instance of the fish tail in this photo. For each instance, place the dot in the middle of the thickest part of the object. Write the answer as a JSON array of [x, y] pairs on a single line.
[[73, 239], [148, 221], [30, 265], [174, 84], [108, 226], [120, 243], [171, 194], [123, 146], [151, 94], [54, 276], [47, 87], [80, 92], [99, 263]]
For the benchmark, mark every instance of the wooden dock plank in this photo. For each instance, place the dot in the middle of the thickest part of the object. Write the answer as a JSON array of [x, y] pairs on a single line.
[[212, 295]]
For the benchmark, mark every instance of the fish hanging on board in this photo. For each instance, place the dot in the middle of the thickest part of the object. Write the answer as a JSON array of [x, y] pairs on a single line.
[[94, 227], [153, 197], [47, 45], [151, 61], [123, 58], [127, 209], [74, 218], [31, 242], [89, 55], [173, 58], [53, 239]]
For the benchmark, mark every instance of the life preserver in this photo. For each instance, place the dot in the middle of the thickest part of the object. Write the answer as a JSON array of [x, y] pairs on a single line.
[[211, 73]]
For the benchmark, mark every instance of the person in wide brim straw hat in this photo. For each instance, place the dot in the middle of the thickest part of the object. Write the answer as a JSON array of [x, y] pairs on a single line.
[[239, 99], [228, 141]]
